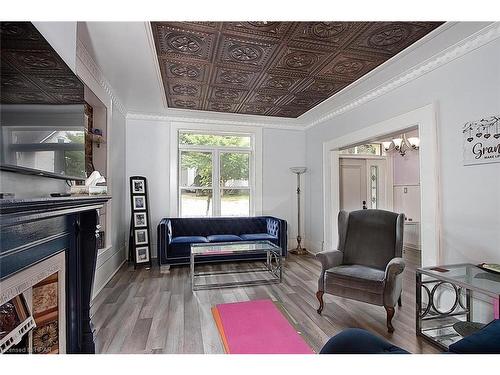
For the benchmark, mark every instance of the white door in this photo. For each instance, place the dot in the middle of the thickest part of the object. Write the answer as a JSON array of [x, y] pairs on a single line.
[[363, 180], [353, 187]]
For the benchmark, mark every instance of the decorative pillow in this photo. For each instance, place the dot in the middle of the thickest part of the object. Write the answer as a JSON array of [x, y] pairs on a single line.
[[484, 341]]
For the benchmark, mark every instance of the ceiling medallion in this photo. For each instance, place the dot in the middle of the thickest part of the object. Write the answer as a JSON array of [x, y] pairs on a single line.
[[185, 71], [59, 82], [14, 81], [185, 103], [300, 59], [40, 60], [184, 43], [389, 36], [255, 109], [327, 29], [245, 53], [185, 90], [265, 98], [226, 94], [279, 83], [321, 87], [348, 67], [229, 76], [222, 107], [303, 102]]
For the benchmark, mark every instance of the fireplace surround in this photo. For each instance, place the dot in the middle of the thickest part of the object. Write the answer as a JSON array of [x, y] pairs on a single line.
[[48, 248]]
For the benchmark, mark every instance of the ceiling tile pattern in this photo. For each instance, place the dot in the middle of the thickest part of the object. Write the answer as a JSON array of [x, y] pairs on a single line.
[[31, 71], [272, 68]]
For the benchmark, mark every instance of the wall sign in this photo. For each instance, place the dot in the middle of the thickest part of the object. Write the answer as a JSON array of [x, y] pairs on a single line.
[[482, 141]]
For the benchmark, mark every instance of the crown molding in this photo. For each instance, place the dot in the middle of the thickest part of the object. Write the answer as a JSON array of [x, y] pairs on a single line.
[[95, 71], [469, 44], [207, 117]]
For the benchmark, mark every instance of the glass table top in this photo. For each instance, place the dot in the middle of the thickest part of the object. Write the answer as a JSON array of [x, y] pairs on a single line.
[[468, 276], [233, 247]]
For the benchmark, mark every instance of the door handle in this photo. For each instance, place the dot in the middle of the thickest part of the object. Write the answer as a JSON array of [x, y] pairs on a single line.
[[364, 205]]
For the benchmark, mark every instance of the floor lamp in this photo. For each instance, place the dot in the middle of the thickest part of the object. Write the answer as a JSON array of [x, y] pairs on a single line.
[[298, 250]]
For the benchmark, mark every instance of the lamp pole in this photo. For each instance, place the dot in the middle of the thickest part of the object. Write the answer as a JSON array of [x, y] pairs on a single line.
[[299, 250]]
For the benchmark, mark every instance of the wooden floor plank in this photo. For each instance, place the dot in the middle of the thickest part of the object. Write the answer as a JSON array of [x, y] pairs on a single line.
[[148, 311]]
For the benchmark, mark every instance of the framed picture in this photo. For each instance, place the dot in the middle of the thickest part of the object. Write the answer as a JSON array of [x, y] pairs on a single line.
[[139, 202], [140, 219], [142, 254], [138, 187], [141, 236]]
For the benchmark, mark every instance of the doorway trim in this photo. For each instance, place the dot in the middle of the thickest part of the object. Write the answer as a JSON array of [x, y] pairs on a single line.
[[424, 119]]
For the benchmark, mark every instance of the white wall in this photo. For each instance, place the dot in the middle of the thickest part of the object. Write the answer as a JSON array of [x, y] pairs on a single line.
[[62, 37], [465, 89], [112, 257], [148, 155]]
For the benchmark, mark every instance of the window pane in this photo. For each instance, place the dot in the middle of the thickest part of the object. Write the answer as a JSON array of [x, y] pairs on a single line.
[[234, 169], [235, 202], [373, 186], [196, 202], [196, 169], [188, 138], [368, 149]]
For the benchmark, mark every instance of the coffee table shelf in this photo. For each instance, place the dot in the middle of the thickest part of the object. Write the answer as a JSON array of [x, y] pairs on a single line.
[[450, 292], [272, 266]]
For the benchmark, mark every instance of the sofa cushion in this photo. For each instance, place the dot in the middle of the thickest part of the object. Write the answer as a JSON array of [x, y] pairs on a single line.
[[258, 237], [357, 277], [189, 239], [223, 238], [359, 341], [484, 341]]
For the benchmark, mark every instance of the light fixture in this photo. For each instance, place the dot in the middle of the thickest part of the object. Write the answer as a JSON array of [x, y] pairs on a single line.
[[402, 144], [299, 250]]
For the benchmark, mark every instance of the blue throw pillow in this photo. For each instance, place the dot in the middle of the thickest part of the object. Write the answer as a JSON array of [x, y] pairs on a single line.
[[484, 341]]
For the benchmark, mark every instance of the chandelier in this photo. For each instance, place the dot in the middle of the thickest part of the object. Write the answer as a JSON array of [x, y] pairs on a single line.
[[402, 144]]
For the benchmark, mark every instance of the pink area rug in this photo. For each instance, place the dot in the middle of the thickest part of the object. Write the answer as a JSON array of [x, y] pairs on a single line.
[[257, 327]]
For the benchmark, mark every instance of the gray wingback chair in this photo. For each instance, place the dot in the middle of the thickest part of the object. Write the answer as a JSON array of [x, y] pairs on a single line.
[[367, 266]]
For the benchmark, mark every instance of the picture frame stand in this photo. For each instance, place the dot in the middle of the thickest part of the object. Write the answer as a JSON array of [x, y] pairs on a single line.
[[140, 233]]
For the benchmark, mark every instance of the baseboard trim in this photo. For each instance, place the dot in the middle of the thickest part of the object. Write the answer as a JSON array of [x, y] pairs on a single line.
[[108, 279]]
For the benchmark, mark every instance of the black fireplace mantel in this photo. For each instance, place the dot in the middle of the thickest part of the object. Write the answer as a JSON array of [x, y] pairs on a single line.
[[35, 229]]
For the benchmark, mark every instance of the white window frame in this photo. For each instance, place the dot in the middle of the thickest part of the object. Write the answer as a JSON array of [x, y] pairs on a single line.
[[255, 170]]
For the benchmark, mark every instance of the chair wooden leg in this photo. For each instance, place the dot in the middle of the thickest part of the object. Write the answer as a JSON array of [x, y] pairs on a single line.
[[399, 302], [319, 296], [390, 314]]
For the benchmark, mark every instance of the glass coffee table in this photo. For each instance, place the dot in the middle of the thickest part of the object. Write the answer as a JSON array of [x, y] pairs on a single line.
[[201, 252], [454, 301]]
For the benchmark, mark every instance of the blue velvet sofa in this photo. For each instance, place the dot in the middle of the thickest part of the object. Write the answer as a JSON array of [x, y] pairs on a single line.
[[175, 235], [359, 341]]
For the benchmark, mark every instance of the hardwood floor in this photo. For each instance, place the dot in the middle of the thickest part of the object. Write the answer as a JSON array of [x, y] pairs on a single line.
[[146, 311]]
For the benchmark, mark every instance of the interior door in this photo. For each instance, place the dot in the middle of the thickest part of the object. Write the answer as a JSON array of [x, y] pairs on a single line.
[[378, 186], [353, 184], [363, 180]]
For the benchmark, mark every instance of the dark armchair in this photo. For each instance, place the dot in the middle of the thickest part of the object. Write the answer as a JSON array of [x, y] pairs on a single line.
[[367, 266]]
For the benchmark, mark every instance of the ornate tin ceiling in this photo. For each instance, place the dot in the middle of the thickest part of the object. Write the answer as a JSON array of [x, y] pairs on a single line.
[[31, 71], [272, 68]]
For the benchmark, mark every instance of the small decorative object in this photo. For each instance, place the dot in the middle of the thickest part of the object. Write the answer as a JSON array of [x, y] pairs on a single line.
[[140, 219], [298, 250], [490, 267], [138, 186], [95, 184], [139, 202], [141, 236], [481, 141], [139, 243]]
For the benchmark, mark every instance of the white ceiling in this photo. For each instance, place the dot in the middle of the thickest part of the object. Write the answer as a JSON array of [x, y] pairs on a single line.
[[123, 52]]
